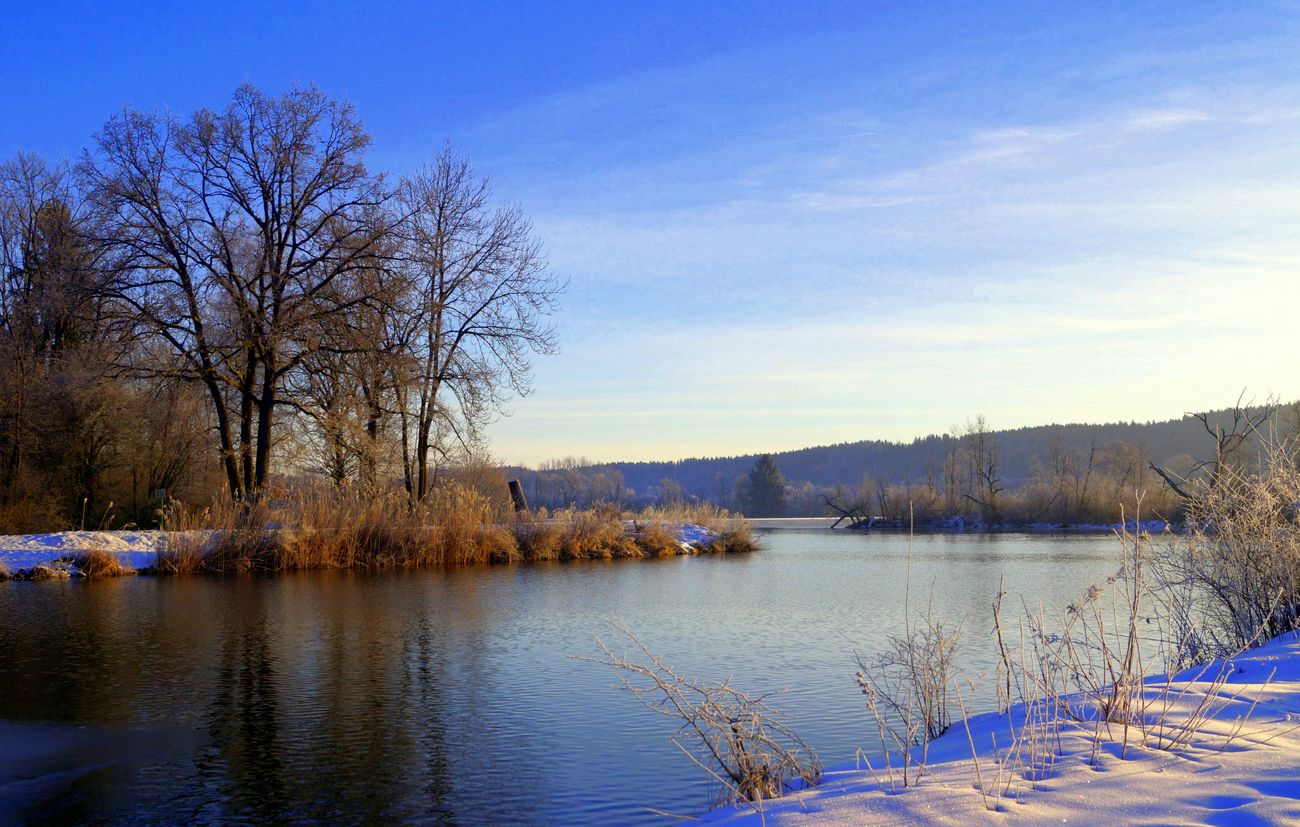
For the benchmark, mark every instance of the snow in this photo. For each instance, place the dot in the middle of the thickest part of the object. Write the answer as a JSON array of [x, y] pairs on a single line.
[[1240, 768], [135, 549], [693, 535]]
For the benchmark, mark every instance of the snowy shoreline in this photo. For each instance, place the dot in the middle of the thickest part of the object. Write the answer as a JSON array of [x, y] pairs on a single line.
[[138, 550], [958, 525], [1242, 767], [133, 549]]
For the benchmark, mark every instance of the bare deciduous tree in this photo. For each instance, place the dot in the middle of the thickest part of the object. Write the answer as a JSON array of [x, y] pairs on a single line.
[[482, 299], [232, 231], [1243, 422], [983, 481]]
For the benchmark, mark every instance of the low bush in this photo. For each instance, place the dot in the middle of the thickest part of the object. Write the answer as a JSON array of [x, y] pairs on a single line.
[[1239, 562]]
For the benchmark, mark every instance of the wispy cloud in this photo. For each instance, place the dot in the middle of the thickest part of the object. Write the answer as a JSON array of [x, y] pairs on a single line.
[[884, 270]]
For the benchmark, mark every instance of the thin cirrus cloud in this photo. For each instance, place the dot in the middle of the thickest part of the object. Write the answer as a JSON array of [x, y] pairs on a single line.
[[884, 271]]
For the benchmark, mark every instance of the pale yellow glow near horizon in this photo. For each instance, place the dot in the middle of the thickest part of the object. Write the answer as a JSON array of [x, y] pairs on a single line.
[[1127, 259]]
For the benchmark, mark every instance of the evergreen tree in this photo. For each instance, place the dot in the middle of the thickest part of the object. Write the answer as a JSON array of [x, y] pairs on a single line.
[[766, 489]]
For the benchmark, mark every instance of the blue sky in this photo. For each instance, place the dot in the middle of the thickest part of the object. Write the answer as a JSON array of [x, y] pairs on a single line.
[[790, 226]]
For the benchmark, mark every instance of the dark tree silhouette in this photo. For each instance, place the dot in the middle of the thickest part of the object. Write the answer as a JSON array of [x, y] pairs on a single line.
[[766, 489]]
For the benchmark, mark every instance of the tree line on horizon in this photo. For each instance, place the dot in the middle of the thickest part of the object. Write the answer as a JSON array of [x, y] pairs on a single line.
[[211, 302], [1065, 474]]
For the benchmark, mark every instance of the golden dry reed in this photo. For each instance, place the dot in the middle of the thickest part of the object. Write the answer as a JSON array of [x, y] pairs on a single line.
[[327, 528]]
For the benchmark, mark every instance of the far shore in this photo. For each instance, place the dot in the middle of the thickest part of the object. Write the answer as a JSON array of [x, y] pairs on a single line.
[[960, 526]]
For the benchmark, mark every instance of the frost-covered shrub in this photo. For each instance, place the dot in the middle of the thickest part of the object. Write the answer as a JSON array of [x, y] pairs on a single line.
[[1240, 558]]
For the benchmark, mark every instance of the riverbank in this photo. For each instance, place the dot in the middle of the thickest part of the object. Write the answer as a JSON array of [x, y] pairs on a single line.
[[75, 554], [961, 525], [1239, 767]]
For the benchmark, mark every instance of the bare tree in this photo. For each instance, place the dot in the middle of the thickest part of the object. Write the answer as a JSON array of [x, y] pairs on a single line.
[[984, 483], [951, 470], [348, 385], [482, 300], [51, 328], [232, 231], [1243, 422]]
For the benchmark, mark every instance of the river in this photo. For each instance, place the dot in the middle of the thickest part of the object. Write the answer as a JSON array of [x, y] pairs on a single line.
[[454, 696]]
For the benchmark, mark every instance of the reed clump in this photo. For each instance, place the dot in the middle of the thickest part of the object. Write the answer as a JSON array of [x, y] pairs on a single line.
[[92, 563], [99, 563], [655, 540], [736, 541], [729, 533], [43, 572], [597, 533], [332, 528], [744, 745]]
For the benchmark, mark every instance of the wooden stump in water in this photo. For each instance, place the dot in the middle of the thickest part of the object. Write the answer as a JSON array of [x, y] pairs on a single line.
[[517, 494]]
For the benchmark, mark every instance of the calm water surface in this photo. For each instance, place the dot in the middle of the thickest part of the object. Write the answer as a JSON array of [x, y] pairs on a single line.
[[453, 697]]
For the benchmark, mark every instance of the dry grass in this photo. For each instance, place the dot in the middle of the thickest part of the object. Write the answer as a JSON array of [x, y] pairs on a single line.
[[42, 572], [572, 534], [1087, 671], [99, 563], [1238, 568], [743, 744], [656, 540], [225, 536], [29, 516], [329, 528], [908, 686]]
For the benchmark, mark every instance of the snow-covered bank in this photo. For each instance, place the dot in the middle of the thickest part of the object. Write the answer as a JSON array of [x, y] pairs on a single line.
[[139, 549], [1241, 768], [134, 549], [961, 524]]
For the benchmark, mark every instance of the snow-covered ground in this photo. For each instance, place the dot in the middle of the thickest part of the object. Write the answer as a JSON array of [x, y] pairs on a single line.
[[690, 534], [135, 549], [1240, 768]]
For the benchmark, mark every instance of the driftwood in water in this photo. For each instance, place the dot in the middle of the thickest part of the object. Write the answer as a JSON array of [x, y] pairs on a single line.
[[860, 519], [856, 515]]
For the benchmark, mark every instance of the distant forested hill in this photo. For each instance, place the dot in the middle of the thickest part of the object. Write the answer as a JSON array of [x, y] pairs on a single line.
[[1172, 442]]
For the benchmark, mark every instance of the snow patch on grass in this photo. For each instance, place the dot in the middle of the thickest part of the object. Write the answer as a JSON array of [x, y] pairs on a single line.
[[1241, 767], [134, 549]]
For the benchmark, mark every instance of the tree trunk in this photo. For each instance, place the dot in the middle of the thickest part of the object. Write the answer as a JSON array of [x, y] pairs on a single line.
[[265, 410], [227, 444], [369, 469], [246, 383], [422, 459]]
